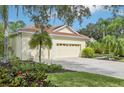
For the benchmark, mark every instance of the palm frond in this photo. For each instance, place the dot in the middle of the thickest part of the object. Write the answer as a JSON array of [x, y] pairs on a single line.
[[38, 37]]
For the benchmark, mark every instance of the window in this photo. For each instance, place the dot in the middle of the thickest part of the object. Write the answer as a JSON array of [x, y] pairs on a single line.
[[60, 44]]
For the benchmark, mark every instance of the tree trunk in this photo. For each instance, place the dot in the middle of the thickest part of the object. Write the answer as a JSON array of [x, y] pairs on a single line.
[[5, 45], [103, 34], [5, 22], [40, 53], [41, 27]]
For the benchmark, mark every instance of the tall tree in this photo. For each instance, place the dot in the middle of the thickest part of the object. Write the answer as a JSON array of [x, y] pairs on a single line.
[[4, 16], [103, 26], [4, 13], [117, 26], [13, 26], [1, 40], [91, 29]]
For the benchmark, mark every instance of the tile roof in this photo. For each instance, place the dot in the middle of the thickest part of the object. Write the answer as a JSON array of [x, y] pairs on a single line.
[[50, 30]]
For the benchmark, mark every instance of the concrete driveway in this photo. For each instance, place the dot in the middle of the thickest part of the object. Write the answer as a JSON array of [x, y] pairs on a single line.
[[103, 67]]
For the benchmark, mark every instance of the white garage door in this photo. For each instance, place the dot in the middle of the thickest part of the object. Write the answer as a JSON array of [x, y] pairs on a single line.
[[67, 50]]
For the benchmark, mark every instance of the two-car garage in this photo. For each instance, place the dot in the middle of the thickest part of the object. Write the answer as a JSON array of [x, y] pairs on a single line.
[[67, 50], [67, 47]]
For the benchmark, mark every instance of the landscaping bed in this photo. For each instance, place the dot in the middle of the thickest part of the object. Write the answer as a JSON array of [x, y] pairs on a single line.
[[107, 57], [107, 48], [26, 74]]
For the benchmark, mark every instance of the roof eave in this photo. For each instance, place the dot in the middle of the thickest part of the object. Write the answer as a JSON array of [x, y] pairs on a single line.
[[69, 36]]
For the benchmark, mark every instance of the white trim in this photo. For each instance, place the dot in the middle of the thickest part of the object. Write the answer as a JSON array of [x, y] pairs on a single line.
[[49, 34], [26, 32], [73, 30], [68, 36], [60, 28], [64, 26], [21, 32]]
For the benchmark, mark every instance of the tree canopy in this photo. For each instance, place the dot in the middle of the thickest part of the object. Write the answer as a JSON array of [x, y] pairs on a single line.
[[111, 26], [16, 25]]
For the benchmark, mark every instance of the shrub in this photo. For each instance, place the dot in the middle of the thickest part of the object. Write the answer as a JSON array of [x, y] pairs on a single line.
[[88, 52], [48, 68], [24, 74], [22, 67], [14, 58], [28, 66], [23, 78], [41, 67], [96, 46], [55, 68], [31, 79], [5, 77]]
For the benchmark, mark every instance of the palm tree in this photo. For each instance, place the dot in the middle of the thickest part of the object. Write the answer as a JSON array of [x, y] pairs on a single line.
[[103, 26], [119, 47], [41, 39], [108, 43], [16, 25]]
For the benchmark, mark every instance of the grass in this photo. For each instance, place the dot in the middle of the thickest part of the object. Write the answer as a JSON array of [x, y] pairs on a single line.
[[83, 79], [122, 60]]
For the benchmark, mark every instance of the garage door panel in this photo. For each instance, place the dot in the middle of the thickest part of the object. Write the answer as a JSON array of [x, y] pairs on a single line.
[[67, 50]]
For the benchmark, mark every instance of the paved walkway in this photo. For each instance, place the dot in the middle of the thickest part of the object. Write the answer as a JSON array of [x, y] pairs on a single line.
[[103, 67]]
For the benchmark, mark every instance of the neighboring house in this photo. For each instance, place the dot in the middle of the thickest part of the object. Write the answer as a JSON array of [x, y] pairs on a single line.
[[66, 43]]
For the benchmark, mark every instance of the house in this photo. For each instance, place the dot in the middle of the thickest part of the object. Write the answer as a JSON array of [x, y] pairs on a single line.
[[66, 43]]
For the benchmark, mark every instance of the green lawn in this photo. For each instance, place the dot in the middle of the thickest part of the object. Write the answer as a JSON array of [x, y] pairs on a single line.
[[78, 79]]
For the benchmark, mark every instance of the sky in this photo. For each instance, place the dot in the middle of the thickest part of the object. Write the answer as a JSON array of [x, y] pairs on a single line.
[[96, 14]]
